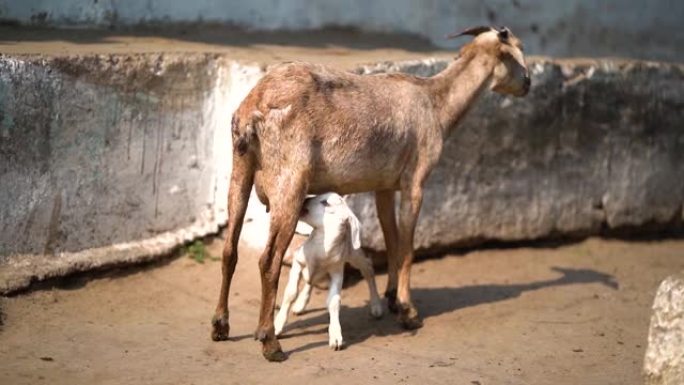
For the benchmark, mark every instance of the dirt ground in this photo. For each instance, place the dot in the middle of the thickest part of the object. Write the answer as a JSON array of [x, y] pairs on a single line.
[[574, 314], [343, 48]]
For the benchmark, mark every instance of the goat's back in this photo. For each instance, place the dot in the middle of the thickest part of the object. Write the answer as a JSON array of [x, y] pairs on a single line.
[[354, 133]]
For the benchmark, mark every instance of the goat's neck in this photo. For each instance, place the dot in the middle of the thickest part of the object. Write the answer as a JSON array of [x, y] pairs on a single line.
[[456, 89]]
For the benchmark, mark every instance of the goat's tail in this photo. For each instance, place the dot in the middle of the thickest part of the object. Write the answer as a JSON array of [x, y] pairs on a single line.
[[244, 131]]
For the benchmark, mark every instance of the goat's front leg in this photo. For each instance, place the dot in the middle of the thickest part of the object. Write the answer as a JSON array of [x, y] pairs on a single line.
[[384, 204], [411, 200], [289, 296], [335, 330]]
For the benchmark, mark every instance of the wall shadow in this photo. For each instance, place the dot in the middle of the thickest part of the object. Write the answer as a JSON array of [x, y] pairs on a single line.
[[357, 325]]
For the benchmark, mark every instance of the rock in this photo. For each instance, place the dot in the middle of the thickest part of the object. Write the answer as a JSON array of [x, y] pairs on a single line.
[[664, 361]]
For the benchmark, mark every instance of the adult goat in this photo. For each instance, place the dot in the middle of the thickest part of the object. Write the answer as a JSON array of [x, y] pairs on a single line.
[[308, 129]]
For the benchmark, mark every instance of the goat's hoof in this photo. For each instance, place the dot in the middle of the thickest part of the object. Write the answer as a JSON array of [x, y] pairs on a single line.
[[409, 318], [299, 307], [336, 344], [392, 305], [220, 328], [260, 335], [412, 323], [272, 352]]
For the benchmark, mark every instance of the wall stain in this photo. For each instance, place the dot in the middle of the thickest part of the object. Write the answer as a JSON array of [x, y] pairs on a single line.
[[54, 233]]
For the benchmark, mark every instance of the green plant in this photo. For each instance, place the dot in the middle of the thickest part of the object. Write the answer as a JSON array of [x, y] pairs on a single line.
[[198, 252]]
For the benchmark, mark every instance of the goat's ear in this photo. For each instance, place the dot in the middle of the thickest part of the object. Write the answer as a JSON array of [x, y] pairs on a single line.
[[474, 31], [355, 226]]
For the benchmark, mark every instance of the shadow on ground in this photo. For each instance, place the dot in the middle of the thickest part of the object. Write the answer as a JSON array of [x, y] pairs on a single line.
[[357, 324]]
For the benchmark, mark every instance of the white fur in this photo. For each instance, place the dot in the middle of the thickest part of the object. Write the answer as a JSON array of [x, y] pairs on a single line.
[[334, 241]]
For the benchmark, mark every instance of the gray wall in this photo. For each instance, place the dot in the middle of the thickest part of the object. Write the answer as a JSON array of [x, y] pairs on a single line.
[[111, 159], [628, 28], [596, 147]]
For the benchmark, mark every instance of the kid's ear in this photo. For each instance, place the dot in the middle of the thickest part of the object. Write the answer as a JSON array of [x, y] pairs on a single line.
[[355, 226]]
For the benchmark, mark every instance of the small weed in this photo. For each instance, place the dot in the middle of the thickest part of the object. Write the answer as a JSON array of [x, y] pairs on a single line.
[[198, 252]]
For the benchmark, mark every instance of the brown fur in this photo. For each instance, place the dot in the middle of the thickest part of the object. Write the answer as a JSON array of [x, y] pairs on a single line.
[[306, 128]]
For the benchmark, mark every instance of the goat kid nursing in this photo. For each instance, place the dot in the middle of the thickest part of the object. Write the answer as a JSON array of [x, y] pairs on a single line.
[[334, 241]]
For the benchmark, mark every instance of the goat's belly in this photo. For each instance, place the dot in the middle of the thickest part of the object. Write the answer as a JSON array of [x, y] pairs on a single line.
[[353, 180]]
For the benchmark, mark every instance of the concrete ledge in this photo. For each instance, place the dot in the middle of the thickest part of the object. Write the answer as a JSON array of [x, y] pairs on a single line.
[[110, 159]]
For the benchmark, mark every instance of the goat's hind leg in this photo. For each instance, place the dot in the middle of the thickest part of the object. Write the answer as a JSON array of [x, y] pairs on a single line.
[[360, 261], [241, 180], [284, 215]]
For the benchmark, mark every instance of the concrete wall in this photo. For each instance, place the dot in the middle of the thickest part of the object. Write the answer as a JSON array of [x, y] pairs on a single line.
[[628, 28], [596, 147], [110, 159]]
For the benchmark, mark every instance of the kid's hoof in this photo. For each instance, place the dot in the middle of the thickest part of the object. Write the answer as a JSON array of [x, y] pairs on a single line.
[[220, 328], [336, 344]]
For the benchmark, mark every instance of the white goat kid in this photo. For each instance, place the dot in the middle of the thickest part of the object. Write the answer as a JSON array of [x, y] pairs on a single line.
[[335, 240]]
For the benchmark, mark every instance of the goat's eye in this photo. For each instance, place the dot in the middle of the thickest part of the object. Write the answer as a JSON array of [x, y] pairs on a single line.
[[325, 203]]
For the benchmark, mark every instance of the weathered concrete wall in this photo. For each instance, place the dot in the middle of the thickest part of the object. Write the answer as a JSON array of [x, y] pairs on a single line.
[[664, 360], [628, 28], [99, 153], [595, 146], [112, 159]]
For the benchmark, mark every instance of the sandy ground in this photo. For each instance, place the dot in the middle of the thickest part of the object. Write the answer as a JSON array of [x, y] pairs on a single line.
[[575, 314], [339, 47]]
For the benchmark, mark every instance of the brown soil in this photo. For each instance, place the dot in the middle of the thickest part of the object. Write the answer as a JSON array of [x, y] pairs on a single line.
[[575, 314], [339, 47]]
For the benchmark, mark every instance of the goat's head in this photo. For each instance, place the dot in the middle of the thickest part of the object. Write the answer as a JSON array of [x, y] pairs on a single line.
[[510, 74], [330, 212]]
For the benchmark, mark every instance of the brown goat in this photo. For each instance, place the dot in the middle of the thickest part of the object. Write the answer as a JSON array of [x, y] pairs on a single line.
[[306, 128]]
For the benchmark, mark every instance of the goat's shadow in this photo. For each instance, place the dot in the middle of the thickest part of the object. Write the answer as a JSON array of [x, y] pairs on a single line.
[[357, 324]]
